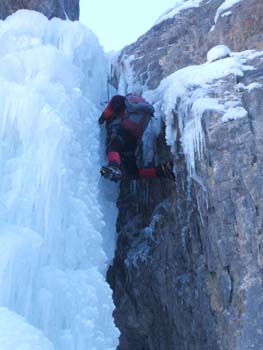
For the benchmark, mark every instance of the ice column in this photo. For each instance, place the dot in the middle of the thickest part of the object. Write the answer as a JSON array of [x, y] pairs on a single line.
[[53, 293]]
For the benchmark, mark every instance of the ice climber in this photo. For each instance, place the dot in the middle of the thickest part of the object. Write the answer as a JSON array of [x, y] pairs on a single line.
[[126, 119]]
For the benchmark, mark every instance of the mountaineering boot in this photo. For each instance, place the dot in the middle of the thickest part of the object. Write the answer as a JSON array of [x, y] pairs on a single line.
[[165, 170], [111, 172]]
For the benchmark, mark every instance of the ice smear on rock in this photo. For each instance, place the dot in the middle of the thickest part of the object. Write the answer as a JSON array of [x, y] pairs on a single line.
[[52, 261]]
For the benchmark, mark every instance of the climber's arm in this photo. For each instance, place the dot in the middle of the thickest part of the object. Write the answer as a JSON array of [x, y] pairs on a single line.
[[107, 114]]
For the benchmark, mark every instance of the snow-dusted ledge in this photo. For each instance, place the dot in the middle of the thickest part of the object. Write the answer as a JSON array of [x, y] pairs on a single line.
[[192, 86]]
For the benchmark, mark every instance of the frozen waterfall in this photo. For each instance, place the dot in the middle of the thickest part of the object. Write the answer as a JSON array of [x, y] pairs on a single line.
[[53, 240]]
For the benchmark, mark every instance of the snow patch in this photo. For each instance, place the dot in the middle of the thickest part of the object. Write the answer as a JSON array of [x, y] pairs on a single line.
[[227, 4], [179, 6], [253, 86], [225, 14], [218, 52], [250, 87], [234, 113], [212, 28]]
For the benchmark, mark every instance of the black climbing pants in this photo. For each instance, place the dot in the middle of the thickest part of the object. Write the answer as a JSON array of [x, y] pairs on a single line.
[[121, 141]]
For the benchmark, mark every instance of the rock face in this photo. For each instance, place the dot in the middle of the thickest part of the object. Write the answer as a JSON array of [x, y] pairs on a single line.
[[187, 274], [50, 8], [185, 39]]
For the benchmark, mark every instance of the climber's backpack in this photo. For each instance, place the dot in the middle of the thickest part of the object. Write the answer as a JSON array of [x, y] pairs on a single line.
[[138, 113]]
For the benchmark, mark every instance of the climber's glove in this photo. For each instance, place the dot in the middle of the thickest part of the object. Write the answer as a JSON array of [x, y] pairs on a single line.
[[101, 119]]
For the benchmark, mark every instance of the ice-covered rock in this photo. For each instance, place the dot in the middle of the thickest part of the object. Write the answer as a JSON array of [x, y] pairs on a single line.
[[186, 38]]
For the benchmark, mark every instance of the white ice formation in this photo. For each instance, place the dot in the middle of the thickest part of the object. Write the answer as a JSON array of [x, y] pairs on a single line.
[[53, 252]]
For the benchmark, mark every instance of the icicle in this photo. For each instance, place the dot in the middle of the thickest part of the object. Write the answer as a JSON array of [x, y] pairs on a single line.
[[192, 135]]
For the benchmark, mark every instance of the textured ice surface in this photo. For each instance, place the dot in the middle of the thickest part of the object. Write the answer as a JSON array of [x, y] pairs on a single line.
[[53, 253], [16, 333]]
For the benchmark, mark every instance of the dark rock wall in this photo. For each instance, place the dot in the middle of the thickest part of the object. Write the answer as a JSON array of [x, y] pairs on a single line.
[[158, 278], [50, 8], [231, 219], [187, 274]]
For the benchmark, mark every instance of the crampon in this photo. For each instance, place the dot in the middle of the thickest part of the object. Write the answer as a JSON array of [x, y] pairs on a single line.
[[112, 173]]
